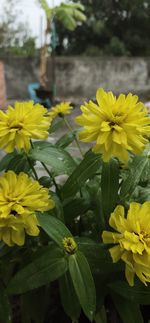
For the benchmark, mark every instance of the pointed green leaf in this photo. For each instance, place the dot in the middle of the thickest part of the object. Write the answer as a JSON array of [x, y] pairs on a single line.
[[101, 316], [45, 7], [136, 170], [128, 311], [70, 14], [138, 293], [56, 126], [15, 161], [65, 140], [69, 298], [75, 207], [98, 256], [83, 283], [84, 171], [58, 159], [46, 268], [109, 186], [4, 162], [53, 227]]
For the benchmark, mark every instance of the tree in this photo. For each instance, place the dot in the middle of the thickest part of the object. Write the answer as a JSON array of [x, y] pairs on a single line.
[[68, 15], [14, 36], [113, 27]]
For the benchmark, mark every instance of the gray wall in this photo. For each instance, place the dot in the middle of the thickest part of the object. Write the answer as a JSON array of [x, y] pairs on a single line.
[[80, 76]]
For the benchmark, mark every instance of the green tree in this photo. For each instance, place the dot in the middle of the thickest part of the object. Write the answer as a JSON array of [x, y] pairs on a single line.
[[113, 27], [15, 36]]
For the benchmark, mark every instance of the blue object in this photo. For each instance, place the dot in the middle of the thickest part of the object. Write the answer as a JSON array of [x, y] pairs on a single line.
[[32, 87]]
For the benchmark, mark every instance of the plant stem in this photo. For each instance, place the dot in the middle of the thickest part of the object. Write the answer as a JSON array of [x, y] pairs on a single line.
[[32, 167], [75, 138], [51, 176], [48, 171]]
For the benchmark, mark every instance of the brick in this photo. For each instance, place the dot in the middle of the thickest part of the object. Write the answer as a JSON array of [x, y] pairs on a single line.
[[3, 101]]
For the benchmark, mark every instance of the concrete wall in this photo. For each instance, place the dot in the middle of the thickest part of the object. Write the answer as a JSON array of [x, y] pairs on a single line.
[[80, 76]]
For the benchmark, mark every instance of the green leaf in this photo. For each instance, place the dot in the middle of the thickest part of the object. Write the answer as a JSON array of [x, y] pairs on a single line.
[[128, 311], [109, 186], [19, 164], [95, 199], [58, 159], [5, 161], [65, 140], [98, 257], [57, 211], [101, 316], [53, 227], [79, 16], [45, 7], [16, 162], [70, 14], [56, 126], [136, 170], [83, 283], [84, 171], [46, 268], [69, 298], [143, 194], [73, 6], [65, 17], [138, 293], [75, 207], [5, 308], [45, 181], [41, 145]]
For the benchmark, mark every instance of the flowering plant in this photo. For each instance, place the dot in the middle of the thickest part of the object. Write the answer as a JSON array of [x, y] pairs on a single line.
[[75, 228]]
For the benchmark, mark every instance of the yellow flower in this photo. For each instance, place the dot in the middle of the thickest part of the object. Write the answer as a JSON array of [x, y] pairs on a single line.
[[21, 123], [69, 245], [117, 125], [20, 197], [60, 109], [132, 240]]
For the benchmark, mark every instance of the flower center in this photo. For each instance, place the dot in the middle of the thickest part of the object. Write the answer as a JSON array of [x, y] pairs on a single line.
[[16, 127], [69, 245], [19, 127], [117, 119], [112, 124], [14, 213]]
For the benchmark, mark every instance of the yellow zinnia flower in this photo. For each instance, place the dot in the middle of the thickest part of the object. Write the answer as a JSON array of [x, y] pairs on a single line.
[[21, 123], [118, 125], [132, 240], [20, 197], [60, 110]]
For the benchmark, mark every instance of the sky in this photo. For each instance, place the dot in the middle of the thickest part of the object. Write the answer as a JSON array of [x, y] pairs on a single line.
[[32, 14]]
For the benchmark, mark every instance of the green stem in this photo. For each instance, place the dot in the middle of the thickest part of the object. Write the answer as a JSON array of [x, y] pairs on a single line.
[[75, 138], [32, 167], [48, 171], [51, 176]]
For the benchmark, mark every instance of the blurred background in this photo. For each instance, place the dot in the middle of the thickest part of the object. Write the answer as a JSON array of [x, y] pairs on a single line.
[[109, 49]]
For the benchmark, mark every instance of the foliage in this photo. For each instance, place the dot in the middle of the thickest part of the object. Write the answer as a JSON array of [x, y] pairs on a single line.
[[113, 28], [66, 271], [69, 15], [15, 36]]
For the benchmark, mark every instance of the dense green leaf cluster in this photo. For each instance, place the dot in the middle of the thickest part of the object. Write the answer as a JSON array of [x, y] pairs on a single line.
[[42, 273], [117, 28]]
